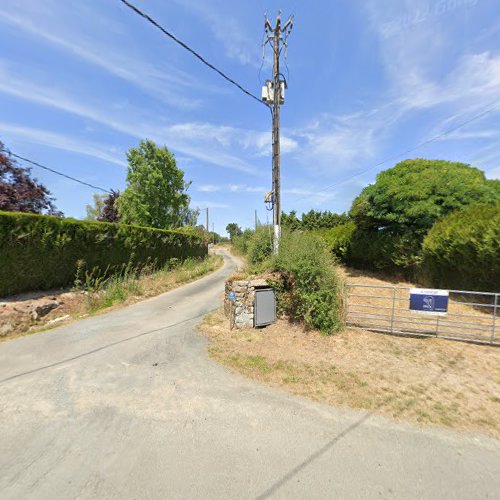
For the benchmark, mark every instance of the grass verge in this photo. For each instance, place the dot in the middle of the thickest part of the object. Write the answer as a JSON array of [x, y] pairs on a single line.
[[424, 381], [117, 291]]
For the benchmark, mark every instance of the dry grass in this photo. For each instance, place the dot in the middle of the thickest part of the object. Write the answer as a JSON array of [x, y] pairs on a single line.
[[462, 321], [120, 292], [426, 381]]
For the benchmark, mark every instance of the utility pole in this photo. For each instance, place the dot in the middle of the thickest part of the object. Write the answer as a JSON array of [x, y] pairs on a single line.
[[256, 220], [273, 93], [208, 229]]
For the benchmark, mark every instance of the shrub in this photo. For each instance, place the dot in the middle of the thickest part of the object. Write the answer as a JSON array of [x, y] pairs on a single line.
[[311, 290], [462, 250], [338, 240], [385, 251], [260, 245], [240, 242], [42, 252]]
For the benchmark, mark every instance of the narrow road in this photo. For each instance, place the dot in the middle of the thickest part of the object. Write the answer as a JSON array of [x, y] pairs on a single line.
[[128, 405]]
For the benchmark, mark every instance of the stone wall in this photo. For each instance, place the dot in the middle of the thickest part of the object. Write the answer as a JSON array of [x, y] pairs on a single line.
[[244, 303]]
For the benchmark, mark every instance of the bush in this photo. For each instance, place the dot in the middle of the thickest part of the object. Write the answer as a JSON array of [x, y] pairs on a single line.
[[385, 251], [241, 241], [462, 250], [338, 240], [260, 245], [311, 290], [41, 252]]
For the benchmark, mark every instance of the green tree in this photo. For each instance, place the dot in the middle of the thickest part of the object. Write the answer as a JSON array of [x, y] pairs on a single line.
[[156, 192], [233, 230], [411, 196], [104, 208], [94, 211], [290, 221]]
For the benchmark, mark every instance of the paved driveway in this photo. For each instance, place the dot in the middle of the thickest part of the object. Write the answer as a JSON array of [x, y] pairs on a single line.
[[128, 405]]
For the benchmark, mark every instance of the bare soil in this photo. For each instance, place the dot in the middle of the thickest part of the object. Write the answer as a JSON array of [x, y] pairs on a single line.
[[38, 311], [428, 381]]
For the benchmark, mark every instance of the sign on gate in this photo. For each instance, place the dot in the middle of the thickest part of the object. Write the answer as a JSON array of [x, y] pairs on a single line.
[[424, 300]]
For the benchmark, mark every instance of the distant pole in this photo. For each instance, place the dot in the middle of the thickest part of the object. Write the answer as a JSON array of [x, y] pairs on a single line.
[[256, 220], [208, 229], [276, 37]]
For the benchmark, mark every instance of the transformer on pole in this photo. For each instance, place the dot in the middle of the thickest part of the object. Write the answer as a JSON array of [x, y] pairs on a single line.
[[273, 93]]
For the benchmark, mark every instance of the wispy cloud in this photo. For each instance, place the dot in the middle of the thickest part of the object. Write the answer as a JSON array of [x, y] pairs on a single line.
[[232, 33], [208, 188], [168, 84], [58, 141], [202, 141]]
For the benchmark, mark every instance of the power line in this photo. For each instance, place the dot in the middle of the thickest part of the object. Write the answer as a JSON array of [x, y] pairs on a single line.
[[411, 150], [189, 49], [36, 164]]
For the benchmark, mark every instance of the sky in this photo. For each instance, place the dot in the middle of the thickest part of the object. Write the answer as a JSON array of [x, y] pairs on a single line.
[[368, 80]]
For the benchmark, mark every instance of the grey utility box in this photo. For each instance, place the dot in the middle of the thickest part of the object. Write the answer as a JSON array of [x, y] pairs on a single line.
[[265, 307]]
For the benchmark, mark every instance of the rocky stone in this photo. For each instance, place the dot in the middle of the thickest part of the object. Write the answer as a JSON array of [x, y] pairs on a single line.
[[44, 308], [6, 328], [58, 320]]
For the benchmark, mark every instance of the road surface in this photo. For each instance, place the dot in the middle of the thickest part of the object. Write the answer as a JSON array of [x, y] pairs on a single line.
[[128, 405]]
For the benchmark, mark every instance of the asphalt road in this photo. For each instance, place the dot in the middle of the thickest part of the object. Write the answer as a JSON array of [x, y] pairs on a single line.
[[128, 405]]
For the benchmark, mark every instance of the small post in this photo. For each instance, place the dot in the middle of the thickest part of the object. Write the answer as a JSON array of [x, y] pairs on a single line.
[[393, 308], [493, 332]]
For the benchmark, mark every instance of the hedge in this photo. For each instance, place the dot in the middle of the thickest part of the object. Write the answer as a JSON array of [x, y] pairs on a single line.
[[338, 239], [462, 250], [40, 252]]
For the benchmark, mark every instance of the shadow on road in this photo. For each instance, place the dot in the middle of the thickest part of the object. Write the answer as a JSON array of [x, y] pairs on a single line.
[[321, 451]]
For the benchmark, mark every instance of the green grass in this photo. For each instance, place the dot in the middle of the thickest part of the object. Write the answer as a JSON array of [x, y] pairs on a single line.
[[102, 294]]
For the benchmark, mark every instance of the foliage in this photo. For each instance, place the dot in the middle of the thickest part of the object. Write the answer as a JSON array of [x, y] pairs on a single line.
[[411, 196], [19, 192], [260, 245], [233, 230], [313, 220], [242, 241], [462, 250], [94, 211], [338, 240], [217, 238], [311, 290], [44, 250], [393, 215], [144, 281], [109, 211], [156, 192], [384, 251]]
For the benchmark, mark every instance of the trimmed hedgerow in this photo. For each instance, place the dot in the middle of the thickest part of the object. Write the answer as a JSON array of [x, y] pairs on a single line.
[[39, 252], [462, 250]]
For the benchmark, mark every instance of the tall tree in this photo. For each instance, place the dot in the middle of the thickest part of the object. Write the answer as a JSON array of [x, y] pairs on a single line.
[[411, 196], [19, 192], [156, 192], [233, 230]]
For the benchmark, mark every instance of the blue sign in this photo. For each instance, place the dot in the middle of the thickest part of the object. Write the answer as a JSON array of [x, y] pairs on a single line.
[[429, 301], [231, 296]]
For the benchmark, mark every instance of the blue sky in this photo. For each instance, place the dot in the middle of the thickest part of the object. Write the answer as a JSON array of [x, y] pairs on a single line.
[[81, 82]]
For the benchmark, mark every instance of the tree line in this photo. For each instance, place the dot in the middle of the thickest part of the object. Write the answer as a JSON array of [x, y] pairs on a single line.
[[156, 194]]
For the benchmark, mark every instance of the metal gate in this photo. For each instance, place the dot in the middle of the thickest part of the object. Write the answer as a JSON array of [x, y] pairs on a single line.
[[471, 316]]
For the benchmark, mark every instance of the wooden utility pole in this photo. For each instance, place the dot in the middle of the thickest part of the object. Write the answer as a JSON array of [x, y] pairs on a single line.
[[208, 229], [277, 37]]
